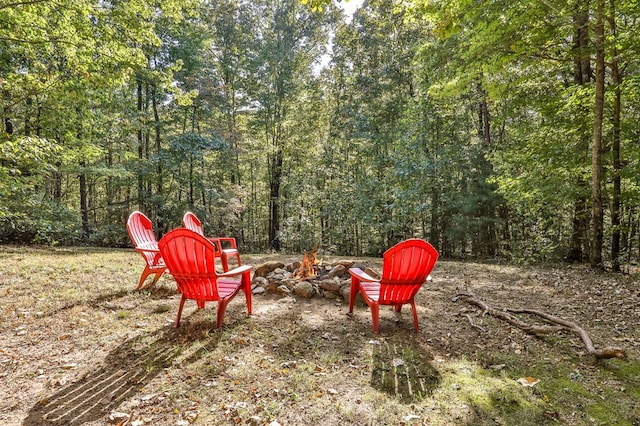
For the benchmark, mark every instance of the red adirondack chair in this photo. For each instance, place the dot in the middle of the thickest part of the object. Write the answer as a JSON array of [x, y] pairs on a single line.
[[144, 242], [190, 258], [226, 247], [405, 268]]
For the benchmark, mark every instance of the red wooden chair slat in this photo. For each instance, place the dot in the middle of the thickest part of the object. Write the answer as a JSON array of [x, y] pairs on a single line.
[[405, 268], [144, 242], [190, 258], [225, 247]]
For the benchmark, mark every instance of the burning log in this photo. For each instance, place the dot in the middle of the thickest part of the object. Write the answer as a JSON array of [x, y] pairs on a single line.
[[310, 267]]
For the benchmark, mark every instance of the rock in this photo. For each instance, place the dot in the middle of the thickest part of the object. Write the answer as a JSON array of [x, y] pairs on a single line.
[[337, 270], [290, 283], [259, 282], [346, 263], [346, 293], [280, 276], [283, 289], [371, 272], [304, 289], [331, 285], [293, 266], [266, 268], [331, 294], [259, 290], [272, 287]]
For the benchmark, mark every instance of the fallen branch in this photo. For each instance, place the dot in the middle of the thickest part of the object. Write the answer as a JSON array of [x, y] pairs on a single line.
[[506, 314]]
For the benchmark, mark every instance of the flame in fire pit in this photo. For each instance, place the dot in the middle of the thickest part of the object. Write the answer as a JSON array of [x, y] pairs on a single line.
[[309, 267]]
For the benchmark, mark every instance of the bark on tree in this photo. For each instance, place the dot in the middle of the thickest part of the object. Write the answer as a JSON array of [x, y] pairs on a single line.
[[579, 243], [616, 202], [596, 153], [140, 137], [274, 199]]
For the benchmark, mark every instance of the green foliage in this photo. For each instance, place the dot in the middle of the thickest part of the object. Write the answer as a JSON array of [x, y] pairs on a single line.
[[459, 122], [32, 221]]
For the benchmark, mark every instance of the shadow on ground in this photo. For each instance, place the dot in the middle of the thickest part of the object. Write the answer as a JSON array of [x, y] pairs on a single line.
[[403, 370], [124, 372]]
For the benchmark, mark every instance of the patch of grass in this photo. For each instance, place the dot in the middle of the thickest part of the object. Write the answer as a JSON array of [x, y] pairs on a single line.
[[161, 309], [122, 314]]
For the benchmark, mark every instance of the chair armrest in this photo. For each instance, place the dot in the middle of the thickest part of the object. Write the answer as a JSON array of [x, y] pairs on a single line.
[[230, 240], [236, 271], [147, 247], [361, 275]]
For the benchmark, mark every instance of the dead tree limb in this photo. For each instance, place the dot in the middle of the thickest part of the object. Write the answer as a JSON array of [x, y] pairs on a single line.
[[507, 315]]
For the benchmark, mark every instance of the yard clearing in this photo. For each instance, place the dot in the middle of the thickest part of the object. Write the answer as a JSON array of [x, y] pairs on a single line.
[[80, 346]]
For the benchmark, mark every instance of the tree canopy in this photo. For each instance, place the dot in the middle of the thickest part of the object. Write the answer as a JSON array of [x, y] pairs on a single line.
[[491, 129]]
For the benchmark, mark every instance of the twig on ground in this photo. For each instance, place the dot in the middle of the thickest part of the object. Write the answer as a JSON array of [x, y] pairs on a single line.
[[475, 325]]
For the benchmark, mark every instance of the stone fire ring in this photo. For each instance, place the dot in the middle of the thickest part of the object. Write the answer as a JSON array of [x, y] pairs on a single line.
[[330, 280]]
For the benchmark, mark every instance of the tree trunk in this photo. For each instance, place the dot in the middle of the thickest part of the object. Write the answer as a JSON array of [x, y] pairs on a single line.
[[82, 177], [84, 207], [485, 211], [158, 140], [617, 167], [275, 179], [596, 154], [140, 136], [27, 116], [578, 245]]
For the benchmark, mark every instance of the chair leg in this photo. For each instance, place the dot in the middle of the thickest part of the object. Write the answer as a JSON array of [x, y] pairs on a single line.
[[156, 278], [246, 287], [354, 291], [415, 316], [144, 276], [375, 315], [148, 271], [200, 304], [222, 307], [397, 308], [177, 322]]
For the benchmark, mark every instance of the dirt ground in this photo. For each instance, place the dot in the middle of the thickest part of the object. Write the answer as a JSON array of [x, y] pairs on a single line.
[[79, 345]]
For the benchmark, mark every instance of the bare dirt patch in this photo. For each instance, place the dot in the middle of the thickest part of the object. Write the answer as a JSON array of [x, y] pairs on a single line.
[[78, 345]]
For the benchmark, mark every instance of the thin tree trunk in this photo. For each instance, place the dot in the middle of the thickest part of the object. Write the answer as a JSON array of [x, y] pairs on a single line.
[[617, 167], [82, 177], [141, 199], [596, 155], [486, 211], [27, 116], [579, 243], [274, 199], [6, 112], [158, 140]]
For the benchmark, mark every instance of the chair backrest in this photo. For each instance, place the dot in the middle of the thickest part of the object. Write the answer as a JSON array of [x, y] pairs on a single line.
[[141, 232], [190, 258], [190, 221], [405, 268]]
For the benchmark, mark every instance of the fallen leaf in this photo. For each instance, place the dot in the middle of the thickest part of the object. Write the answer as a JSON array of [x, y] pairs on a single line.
[[528, 381]]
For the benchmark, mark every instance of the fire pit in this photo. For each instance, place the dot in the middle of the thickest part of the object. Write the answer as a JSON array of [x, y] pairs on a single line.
[[307, 279]]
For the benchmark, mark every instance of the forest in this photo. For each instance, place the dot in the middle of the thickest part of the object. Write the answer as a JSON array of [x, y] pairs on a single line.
[[493, 129]]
